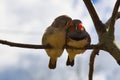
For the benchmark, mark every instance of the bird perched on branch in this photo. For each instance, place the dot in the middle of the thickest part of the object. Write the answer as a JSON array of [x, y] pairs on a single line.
[[55, 36], [77, 37]]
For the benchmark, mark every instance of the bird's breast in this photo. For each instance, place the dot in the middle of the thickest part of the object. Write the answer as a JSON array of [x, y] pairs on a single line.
[[78, 44], [57, 39]]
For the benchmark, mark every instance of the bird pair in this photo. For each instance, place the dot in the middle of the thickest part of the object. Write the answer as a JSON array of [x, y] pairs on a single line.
[[65, 31]]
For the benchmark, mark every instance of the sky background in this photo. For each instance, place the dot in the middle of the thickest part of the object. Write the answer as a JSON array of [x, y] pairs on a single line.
[[25, 21]]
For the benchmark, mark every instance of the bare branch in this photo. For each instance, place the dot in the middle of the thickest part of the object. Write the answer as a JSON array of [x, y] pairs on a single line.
[[32, 46], [91, 64], [13, 44], [105, 33], [98, 24], [114, 50], [118, 15], [92, 11], [113, 18], [109, 20]]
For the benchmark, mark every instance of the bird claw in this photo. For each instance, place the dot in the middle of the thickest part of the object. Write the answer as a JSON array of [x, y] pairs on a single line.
[[68, 63]]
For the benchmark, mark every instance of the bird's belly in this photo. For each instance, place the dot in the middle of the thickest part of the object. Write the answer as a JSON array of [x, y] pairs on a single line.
[[74, 51], [77, 44], [57, 40]]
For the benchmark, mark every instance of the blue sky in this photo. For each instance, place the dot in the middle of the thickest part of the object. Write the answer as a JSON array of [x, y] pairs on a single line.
[[95, 1], [25, 21]]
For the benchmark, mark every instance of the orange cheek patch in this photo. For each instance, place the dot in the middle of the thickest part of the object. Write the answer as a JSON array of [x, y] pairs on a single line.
[[80, 27]]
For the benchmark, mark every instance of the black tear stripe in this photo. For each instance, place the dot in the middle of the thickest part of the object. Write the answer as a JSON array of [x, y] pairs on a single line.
[[77, 35]]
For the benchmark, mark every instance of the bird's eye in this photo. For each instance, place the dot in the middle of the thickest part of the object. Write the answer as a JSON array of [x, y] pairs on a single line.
[[80, 27]]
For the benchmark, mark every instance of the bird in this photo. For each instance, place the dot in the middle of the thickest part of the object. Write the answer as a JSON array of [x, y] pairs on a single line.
[[77, 37], [55, 36]]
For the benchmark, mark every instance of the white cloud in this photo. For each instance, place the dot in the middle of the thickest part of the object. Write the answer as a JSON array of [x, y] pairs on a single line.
[[100, 77]]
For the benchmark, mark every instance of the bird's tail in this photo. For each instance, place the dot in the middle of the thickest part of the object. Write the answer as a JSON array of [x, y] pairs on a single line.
[[52, 63], [71, 63]]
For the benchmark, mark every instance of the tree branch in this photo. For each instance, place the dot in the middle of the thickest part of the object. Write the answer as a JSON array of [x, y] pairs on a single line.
[[114, 50], [109, 20], [105, 34], [98, 24], [113, 19], [32, 46], [118, 15], [91, 64], [109, 45]]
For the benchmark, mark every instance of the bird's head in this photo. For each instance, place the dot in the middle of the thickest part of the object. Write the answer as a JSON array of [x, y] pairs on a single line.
[[63, 22], [77, 31], [78, 25]]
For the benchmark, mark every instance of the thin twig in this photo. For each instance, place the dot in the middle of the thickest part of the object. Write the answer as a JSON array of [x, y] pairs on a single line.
[[31, 46], [109, 20], [91, 64], [113, 19]]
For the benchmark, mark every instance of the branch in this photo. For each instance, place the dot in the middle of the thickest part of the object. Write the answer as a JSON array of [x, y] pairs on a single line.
[[118, 15], [92, 11], [114, 50], [109, 20], [91, 64], [98, 24], [113, 19], [106, 38], [13, 44], [109, 45], [32, 46]]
